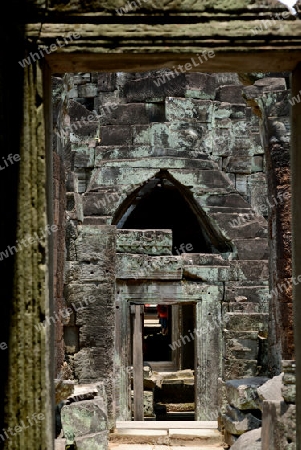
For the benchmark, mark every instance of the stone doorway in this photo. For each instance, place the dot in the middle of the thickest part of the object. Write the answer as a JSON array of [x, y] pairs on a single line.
[[168, 362]]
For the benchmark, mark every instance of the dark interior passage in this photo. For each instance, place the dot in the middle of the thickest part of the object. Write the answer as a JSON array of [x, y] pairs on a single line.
[[163, 207]]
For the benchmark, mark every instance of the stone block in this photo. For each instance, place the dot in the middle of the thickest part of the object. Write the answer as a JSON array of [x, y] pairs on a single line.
[[87, 272], [105, 220], [208, 274], [127, 114], [238, 111], [222, 142], [245, 225], [187, 134], [229, 438], [157, 86], [278, 425], [96, 243], [148, 267], [159, 135], [90, 296], [113, 152], [221, 114], [230, 93], [94, 364], [243, 145], [200, 85], [247, 322], [250, 440], [271, 84], [159, 163], [95, 441], [245, 307], [250, 249], [227, 78], [106, 82], [103, 203], [242, 393], [141, 134], [271, 389], [116, 135], [188, 109], [252, 270], [87, 90], [94, 335], [241, 184], [241, 345], [238, 164], [230, 200], [239, 368], [150, 242], [82, 418], [203, 259], [238, 422], [78, 112], [289, 393], [88, 392], [83, 156], [222, 397], [255, 294], [83, 133], [257, 192]]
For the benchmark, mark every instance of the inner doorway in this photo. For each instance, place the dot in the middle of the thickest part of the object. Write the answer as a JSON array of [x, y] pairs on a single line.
[[163, 361]]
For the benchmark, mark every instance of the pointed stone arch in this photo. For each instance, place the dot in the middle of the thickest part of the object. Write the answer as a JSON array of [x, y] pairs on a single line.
[[163, 202]]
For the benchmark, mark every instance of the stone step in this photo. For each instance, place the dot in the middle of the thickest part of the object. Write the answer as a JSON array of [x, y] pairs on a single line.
[[165, 425], [114, 446], [171, 433]]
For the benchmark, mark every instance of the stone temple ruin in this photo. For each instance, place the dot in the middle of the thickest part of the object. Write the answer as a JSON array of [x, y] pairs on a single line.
[[81, 350], [163, 196]]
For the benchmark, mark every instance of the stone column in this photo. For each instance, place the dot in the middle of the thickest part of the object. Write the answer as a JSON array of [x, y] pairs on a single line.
[[29, 409], [296, 238]]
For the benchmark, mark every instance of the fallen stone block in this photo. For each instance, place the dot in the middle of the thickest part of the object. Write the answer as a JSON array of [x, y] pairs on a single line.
[[242, 394], [237, 422], [82, 418], [271, 390], [250, 441]]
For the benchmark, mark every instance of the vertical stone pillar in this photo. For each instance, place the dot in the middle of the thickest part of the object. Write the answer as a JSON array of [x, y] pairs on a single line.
[[208, 357], [275, 135], [296, 237], [29, 408]]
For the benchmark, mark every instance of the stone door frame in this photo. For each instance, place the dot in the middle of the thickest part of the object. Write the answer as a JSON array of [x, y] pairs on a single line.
[[206, 399]]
